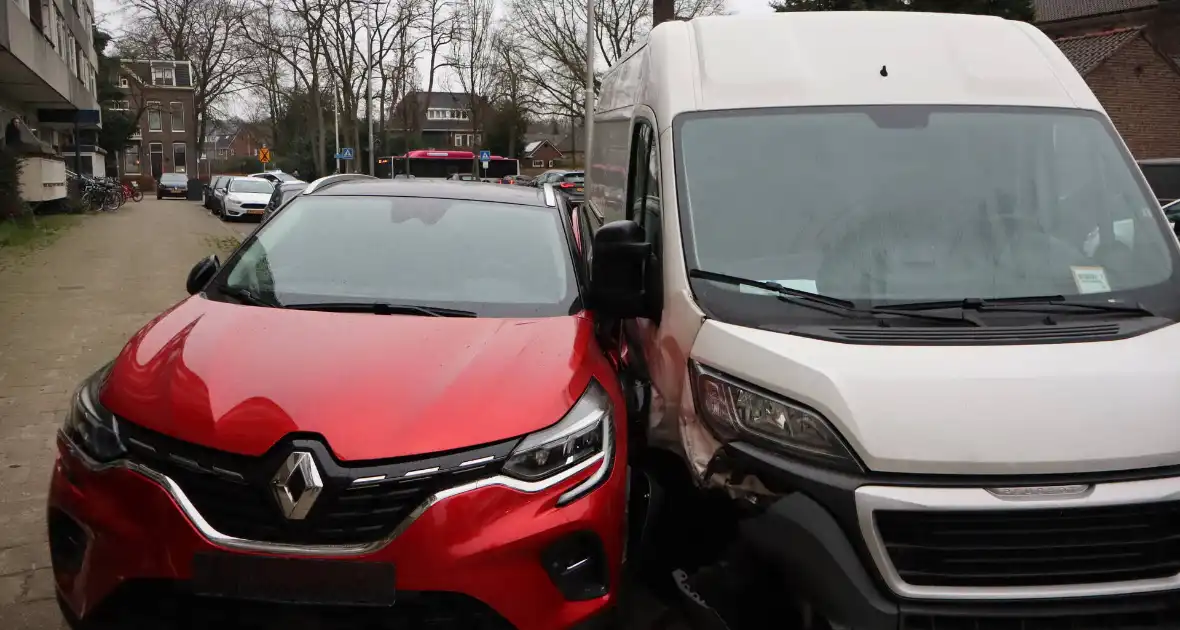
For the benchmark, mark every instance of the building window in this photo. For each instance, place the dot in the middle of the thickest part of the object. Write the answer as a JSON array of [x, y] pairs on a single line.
[[163, 75], [223, 154], [37, 13], [178, 157], [61, 32], [120, 106], [132, 153], [177, 116], [447, 114], [467, 139], [71, 50], [550, 163], [79, 61], [156, 150], [538, 163], [124, 83], [155, 118]]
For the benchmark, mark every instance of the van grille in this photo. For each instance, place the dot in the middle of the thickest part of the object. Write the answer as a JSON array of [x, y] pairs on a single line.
[[1033, 547]]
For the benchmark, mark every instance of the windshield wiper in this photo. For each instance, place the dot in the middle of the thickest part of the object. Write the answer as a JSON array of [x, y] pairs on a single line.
[[381, 308], [246, 296], [1033, 304], [826, 303]]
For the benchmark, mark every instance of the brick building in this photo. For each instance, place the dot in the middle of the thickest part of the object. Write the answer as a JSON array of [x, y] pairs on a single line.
[[438, 120], [1129, 53], [163, 90]]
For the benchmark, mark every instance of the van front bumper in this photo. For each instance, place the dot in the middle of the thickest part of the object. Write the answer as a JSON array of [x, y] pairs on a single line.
[[822, 540]]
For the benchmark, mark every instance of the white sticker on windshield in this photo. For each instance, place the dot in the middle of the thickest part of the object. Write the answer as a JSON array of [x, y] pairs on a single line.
[[799, 284], [1090, 279]]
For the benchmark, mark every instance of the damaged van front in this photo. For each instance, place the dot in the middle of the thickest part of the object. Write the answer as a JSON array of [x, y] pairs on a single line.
[[911, 305]]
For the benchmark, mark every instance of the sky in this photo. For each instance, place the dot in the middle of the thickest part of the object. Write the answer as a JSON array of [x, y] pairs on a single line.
[[110, 18]]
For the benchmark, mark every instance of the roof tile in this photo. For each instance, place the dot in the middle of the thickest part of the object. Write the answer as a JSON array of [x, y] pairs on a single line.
[[1087, 51], [1057, 10]]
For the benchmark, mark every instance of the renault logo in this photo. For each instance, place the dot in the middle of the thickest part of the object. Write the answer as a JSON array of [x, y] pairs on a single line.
[[297, 485]]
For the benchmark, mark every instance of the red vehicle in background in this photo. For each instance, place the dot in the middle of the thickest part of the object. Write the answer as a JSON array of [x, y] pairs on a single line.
[[441, 164]]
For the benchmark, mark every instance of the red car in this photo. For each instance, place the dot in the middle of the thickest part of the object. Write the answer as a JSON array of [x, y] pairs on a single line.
[[389, 408]]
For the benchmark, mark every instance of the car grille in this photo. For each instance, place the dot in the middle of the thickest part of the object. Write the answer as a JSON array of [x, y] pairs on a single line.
[[253, 206], [161, 603], [1033, 547], [233, 492]]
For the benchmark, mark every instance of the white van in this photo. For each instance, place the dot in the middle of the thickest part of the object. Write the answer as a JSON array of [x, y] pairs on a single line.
[[870, 281]]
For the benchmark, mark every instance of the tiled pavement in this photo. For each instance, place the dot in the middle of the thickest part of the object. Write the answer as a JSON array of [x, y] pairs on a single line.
[[64, 310]]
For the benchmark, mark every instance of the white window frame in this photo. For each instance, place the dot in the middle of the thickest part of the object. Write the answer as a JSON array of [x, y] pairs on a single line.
[[153, 107], [127, 165], [178, 167], [538, 163], [120, 106], [167, 76], [124, 83], [172, 108]]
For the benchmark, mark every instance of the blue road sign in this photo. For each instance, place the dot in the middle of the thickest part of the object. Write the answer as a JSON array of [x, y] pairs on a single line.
[[485, 155], [345, 154]]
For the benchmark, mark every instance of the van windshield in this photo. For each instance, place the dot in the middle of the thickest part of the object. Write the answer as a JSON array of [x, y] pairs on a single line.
[[890, 204]]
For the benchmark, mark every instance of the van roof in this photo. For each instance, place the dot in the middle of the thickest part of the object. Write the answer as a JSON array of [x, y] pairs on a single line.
[[837, 58]]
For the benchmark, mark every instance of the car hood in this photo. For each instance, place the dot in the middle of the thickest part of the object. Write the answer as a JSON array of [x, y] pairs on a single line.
[[250, 197], [240, 378], [996, 409]]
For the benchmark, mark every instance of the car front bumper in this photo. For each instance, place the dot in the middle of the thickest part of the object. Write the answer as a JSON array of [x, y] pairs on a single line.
[[165, 192], [116, 535], [821, 538]]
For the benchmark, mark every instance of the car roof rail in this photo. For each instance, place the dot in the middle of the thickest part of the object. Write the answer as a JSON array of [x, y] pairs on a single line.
[[329, 180], [550, 196]]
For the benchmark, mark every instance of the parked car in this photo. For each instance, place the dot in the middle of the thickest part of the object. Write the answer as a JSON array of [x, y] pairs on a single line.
[[521, 180], [283, 193], [1163, 175], [572, 183], [246, 197], [1172, 212], [207, 191], [172, 185], [462, 177], [439, 449], [276, 176], [837, 326]]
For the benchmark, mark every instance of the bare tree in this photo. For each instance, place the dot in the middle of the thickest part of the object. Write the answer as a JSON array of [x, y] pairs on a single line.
[[438, 22], [511, 88], [207, 33], [470, 57]]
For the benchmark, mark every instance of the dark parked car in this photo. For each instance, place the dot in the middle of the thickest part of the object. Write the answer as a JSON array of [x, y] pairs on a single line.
[[283, 193], [172, 185], [1163, 175], [207, 191], [463, 177], [572, 183]]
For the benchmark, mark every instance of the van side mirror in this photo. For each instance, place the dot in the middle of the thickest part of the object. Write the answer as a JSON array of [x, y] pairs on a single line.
[[202, 273], [618, 271]]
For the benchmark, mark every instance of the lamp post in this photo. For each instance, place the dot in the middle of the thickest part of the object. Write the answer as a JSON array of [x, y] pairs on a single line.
[[588, 118]]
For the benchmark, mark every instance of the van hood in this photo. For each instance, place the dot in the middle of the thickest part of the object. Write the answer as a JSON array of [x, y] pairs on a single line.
[[240, 378], [1014, 409]]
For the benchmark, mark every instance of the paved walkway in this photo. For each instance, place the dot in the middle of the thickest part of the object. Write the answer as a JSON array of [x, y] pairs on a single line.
[[64, 311]]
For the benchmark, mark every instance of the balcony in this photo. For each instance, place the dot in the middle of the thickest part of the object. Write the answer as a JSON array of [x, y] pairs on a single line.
[[31, 70]]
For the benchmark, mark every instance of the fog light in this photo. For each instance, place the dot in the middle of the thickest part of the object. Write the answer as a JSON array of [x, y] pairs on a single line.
[[577, 565]]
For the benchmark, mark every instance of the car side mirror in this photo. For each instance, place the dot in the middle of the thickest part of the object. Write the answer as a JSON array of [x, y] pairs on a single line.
[[618, 271], [202, 273]]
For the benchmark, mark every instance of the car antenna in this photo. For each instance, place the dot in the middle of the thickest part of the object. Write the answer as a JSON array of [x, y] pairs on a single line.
[[884, 71]]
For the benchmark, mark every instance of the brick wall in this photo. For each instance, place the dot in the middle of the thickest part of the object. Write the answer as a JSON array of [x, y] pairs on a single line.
[[1141, 93], [167, 136]]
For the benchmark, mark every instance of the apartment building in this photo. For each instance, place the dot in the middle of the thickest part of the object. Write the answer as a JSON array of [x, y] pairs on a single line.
[[161, 91], [48, 88]]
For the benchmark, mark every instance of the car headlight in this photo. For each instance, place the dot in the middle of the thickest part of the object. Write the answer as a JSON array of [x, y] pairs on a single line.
[[90, 426], [581, 439], [735, 410]]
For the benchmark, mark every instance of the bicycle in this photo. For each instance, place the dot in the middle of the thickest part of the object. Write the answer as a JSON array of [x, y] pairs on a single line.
[[131, 191]]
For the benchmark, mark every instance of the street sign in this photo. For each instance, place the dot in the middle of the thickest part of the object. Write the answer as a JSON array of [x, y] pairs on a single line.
[[345, 153], [485, 155], [264, 155]]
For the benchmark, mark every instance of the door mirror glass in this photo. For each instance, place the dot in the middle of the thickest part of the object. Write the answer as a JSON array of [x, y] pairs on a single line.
[[202, 273], [618, 271]]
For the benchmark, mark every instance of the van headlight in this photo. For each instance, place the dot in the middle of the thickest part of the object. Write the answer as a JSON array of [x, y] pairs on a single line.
[[89, 426], [578, 441], [735, 410]]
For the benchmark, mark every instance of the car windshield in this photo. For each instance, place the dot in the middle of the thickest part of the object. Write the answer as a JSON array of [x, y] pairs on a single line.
[[908, 203], [251, 186], [495, 259], [172, 179]]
